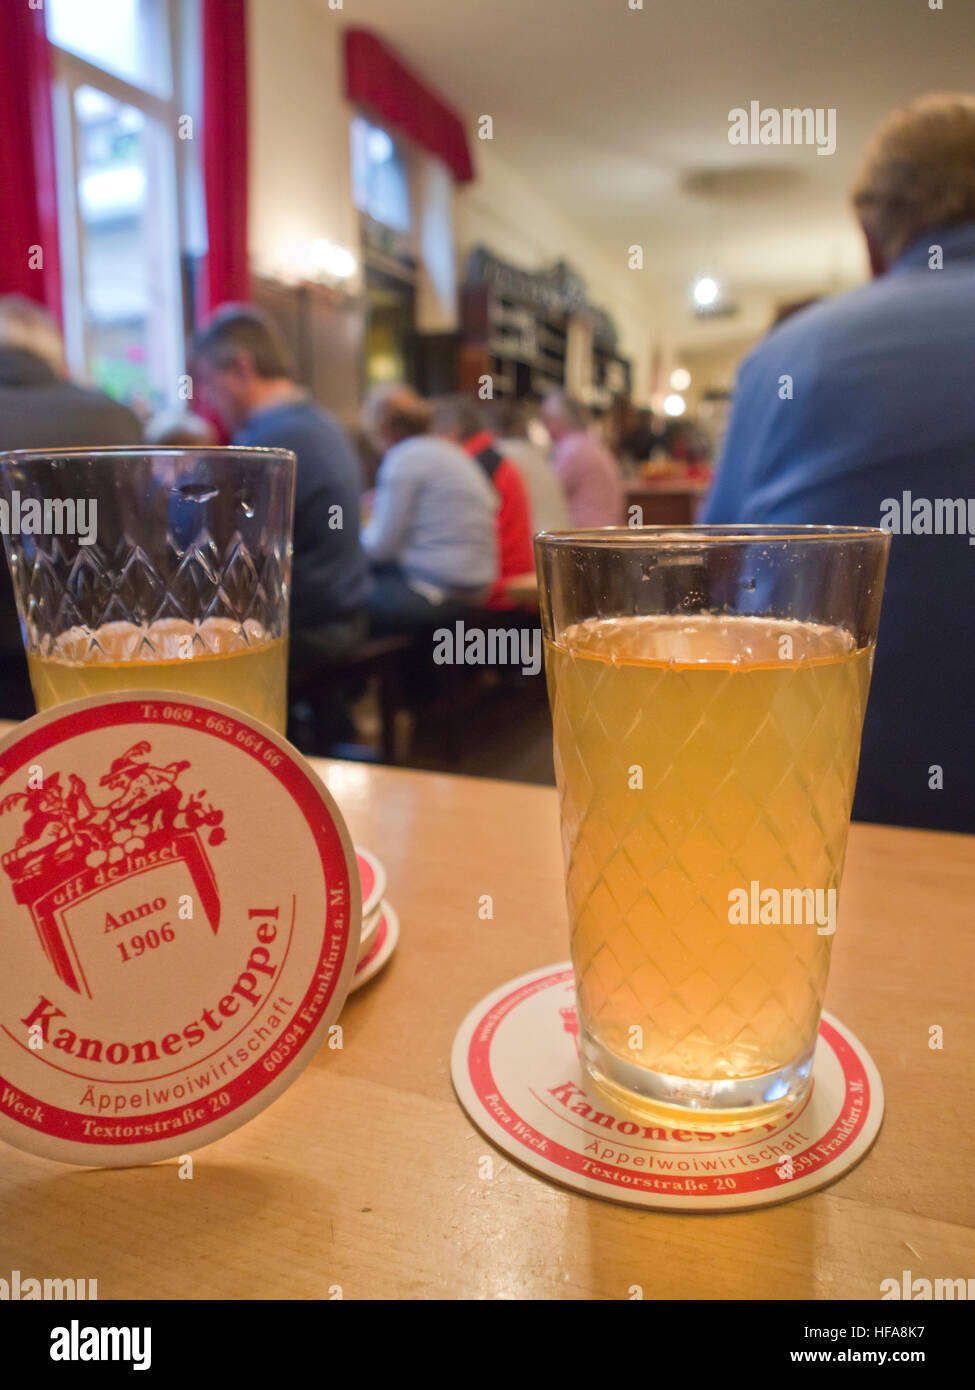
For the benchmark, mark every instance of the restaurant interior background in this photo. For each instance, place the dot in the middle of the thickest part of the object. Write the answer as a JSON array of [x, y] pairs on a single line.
[[534, 194], [440, 193]]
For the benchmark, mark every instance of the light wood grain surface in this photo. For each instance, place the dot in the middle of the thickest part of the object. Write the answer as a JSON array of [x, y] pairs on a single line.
[[364, 1175]]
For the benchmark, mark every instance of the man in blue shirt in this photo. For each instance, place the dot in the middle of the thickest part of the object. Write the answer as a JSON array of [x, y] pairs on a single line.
[[861, 411], [244, 375]]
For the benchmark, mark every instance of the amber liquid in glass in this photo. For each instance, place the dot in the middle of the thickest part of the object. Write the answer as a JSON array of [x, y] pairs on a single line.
[[695, 756], [217, 659]]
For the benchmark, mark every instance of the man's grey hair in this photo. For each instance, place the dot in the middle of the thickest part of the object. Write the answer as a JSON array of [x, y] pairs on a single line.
[[29, 326], [919, 172], [459, 414], [395, 410], [237, 328], [568, 410]]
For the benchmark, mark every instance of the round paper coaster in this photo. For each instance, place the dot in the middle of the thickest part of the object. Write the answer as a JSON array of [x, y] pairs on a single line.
[[373, 877], [370, 925], [171, 961], [516, 1070], [383, 946]]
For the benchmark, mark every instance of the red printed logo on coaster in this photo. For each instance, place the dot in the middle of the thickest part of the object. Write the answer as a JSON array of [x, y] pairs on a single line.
[[517, 1072], [172, 959]]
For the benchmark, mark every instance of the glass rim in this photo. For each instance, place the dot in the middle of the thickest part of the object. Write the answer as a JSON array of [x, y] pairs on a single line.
[[156, 450], [746, 533]]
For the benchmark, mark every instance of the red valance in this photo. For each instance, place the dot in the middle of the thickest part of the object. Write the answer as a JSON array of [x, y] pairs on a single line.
[[29, 253], [375, 77], [225, 151]]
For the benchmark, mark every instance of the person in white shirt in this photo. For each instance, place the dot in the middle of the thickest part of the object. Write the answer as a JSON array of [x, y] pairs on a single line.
[[431, 537], [546, 496]]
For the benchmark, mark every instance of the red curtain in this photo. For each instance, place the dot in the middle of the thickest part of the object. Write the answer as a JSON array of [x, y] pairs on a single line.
[[30, 262], [376, 78], [225, 151]]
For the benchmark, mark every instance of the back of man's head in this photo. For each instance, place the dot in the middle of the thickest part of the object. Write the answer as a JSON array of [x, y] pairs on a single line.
[[30, 328], [459, 417], [240, 328], [918, 173], [393, 413], [506, 418], [562, 414]]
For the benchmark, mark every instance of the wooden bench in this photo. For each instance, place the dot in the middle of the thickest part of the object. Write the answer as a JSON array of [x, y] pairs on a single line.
[[378, 657], [462, 688]]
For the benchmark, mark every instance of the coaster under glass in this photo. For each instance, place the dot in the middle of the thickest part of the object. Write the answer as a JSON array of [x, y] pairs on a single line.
[[691, 1103]]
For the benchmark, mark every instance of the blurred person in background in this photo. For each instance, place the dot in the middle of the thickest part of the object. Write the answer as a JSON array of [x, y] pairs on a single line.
[[245, 377], [546, 495], [181, 429], [40, 408], [588, 472], [462, 420], [685, 443], [639, 436], [431, 535], [794, 306], [860, 411]]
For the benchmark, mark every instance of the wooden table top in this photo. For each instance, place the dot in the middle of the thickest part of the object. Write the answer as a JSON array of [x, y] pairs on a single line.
[[364, 1174]]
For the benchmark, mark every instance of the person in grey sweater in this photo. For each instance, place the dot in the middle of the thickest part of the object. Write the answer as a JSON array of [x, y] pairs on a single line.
[[431, 537], [41, 409]]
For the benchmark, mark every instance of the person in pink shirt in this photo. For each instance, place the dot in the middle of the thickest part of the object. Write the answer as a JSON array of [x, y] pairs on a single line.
[[588, 472]]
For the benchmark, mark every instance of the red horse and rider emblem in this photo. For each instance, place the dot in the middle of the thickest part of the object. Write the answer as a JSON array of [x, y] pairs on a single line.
[[67, 837]]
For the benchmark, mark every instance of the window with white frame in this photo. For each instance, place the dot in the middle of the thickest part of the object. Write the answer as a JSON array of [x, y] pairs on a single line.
[[380, 177], [117, 113]]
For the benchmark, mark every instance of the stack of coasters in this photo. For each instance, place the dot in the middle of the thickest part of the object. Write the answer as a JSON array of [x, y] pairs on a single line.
[[380, 924]]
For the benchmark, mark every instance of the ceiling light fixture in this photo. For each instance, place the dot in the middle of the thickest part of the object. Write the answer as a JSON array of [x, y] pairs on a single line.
[[706, 291]]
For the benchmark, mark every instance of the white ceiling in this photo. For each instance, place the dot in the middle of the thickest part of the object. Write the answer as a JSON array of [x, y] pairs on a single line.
[[609, 110]]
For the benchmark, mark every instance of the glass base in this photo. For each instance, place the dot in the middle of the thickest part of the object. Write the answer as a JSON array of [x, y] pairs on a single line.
[[685, 1103]]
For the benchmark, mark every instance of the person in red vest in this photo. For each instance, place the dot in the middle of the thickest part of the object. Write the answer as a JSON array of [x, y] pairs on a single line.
[[460, 419]]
